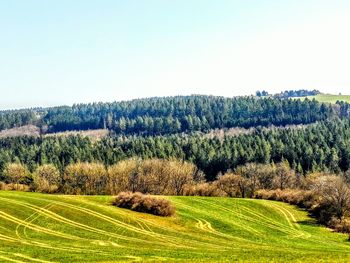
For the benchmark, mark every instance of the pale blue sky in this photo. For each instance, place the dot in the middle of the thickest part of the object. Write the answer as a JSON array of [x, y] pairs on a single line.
[[55, 52]]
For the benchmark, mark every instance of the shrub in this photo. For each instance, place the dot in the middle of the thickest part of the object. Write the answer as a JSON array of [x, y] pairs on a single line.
[[11, 186], [342, 226], [301, 198], [232, 184], [203, 189], [144, 203]]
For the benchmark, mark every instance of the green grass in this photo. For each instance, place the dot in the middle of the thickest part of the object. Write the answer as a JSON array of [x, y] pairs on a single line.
[[56, 228], [329, 98]]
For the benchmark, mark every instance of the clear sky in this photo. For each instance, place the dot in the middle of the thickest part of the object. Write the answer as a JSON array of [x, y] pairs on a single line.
[[55, 52]]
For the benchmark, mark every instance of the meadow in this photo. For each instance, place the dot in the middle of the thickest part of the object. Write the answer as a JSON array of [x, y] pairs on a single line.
[[329, 98], [59, 228]]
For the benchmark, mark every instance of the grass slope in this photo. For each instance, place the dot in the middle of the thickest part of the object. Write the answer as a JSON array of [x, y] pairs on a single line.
[[329, 98], [56, 228]]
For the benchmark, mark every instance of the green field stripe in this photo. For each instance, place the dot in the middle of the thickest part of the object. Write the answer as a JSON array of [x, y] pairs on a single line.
[[11, 259], [61, 219], [31, 259], [261, 219], [162, 238], [36, 227], [204, 229]]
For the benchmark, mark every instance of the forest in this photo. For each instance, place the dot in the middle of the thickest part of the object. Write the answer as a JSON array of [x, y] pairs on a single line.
[[297, 93], [323, 146], [160, 146], [289, 93], [169, 115]]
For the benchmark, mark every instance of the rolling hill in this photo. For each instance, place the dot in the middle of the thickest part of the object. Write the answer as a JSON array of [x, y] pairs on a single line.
[[329, 98], [55, 228]]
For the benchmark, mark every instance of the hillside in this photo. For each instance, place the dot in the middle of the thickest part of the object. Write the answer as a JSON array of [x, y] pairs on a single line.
[[93, 135], [50, 228], [327, 145], [329, 98], [26, 130], [169, 115]]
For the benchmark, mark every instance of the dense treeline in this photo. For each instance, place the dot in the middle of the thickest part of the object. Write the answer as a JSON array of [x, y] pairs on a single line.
[[185, 114], [324, 146], [156, 116], [16, 118], [289, 93], [152, 176], [297, 93]]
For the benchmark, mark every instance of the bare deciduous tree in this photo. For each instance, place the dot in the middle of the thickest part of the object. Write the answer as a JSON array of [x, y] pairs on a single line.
[[46, 178], [233, 185], [15, 173], [85, 178], [335, 193]]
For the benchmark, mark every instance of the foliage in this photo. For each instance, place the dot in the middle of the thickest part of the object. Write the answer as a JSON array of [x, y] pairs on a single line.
[[233, 185], [85, 178], [15, 173], [327, 198], [203, 189], [321, 147], [144, 203], [152, 176], [12, 186], [299, 197], [262, 93], [169, 115], [297, 93], [46, 179], [334, 197]]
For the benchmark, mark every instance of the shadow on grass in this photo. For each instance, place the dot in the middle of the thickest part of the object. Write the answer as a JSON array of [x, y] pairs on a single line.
[[309, 222], [313, 223]]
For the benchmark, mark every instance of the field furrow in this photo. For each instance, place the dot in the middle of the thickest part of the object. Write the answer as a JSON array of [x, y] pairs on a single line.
[[49, 228]]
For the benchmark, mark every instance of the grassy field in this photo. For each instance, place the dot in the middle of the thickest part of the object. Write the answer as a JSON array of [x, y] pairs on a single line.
[[329, 98], [56, 228]]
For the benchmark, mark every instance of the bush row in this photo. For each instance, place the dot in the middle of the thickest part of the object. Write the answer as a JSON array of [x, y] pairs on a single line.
[[327, 197], [154, 176]]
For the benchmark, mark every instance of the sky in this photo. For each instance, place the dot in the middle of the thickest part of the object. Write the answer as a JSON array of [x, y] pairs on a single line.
[[55, 52]]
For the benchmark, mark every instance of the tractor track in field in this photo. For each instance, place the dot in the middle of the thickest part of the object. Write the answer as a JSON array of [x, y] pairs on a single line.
[[40, 211], [31, 259], [293, 233], [202, 225], [262, 219], [30, 219], [34, 227], [11, 260], [247, 228], [56, 217]]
